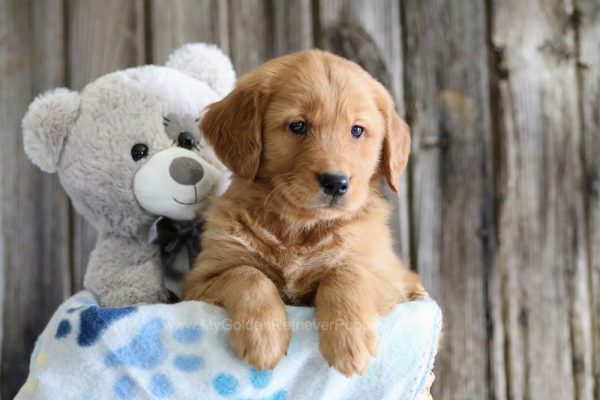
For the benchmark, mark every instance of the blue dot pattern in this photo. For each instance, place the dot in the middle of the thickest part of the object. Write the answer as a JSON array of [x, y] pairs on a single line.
[[188, 335], [124, 388], [160, 386], [279, 395], [145, 350], [225, 384], [95, 320], [260, 379], [64, 328], [188, 363]]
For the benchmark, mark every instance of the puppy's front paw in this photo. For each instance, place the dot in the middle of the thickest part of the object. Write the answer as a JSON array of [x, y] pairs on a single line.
[[349, 346], [261, 342], [414, 287]]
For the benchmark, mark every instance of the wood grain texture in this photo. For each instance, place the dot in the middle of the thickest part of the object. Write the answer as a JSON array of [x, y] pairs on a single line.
[[381, 21], [35, 210], [447, 96], [250, 32], [499, 210], [588, 18], [292, 26], [181, 21], [104, 36], [541, 269], [3, 236]]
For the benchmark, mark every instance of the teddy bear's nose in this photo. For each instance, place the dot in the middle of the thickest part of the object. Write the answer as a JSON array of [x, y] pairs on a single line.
[[186, 171]]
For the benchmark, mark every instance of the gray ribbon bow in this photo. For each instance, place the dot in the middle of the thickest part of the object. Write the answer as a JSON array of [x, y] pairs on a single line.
[[173, 237]]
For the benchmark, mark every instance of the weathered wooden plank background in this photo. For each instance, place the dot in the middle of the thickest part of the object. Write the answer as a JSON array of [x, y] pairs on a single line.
[[500, 207]]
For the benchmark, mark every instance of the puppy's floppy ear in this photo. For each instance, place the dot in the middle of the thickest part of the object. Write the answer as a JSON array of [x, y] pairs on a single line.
[[233, 126], [46, 125], [396, 142], [396, 148]]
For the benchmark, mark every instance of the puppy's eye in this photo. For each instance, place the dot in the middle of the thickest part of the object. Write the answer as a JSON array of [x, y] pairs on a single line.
[[357, 131], [186, 140], [139, 151], [298, 127]]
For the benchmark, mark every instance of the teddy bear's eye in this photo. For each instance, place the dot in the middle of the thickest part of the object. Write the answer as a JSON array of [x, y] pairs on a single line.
[[186, 140], [139, 151]]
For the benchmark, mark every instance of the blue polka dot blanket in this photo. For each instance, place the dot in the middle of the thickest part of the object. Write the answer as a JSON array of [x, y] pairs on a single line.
[[181, 351]]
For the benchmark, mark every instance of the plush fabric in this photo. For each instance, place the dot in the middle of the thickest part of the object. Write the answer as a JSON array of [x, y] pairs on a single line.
[[219, 74], [46, 124], [87, 138], [181, 351]]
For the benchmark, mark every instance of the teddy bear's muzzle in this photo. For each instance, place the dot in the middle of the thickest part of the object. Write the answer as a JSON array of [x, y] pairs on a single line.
[[186, 171], [175, 183]]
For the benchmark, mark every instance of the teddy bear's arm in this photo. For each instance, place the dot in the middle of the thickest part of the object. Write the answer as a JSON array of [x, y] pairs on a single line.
[[123, 272]]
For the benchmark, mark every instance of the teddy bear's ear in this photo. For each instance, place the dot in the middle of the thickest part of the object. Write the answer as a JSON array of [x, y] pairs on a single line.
[[207, 63], [46, 125]]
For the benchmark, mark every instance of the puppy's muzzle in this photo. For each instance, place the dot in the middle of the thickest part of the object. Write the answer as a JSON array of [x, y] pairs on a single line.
[[334, 185]]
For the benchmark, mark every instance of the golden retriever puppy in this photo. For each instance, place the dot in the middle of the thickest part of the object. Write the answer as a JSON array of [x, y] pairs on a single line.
[[308, 137]]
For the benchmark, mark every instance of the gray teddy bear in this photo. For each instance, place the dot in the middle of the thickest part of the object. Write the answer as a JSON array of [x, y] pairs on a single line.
[[127, 150]]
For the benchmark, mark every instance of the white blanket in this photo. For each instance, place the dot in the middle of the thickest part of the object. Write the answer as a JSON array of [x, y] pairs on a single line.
[[181, 351]]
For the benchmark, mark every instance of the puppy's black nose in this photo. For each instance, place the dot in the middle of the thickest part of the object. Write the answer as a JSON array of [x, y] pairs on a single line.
[[186, 171], [334, 184]]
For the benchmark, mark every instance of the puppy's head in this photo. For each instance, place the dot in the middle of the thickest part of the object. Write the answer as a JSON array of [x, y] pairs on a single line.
[[313, 129]]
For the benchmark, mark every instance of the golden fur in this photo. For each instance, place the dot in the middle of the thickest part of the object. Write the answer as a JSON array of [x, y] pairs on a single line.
[[275, 238]]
